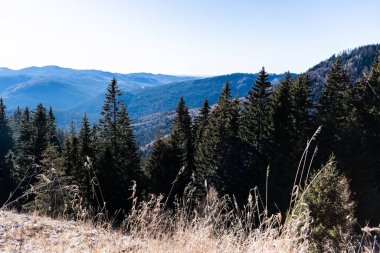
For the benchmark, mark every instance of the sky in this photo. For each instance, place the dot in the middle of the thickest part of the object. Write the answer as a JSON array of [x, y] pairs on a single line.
[[197, 37]]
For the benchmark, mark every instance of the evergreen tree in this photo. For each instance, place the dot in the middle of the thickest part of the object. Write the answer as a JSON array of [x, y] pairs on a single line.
[[53, 196], [333, 112], [162, 168], [84, 173], [254, 130], [110, 113], [16, 122], [24, 170], [364, 145], [201, 121], [118, 162], [329, 200], [200, 124], [40, 134], [220, 162], [52, 134], [5, 146], [70, 153], [181, 140], [283, 164], [302, 109], [129, 153]]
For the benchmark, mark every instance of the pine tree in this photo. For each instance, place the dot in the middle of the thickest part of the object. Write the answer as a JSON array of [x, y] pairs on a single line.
[[118, 161], [24, 170], [200, 124], [16, 122], [329, 200], [220, 162], [283, 164], [201, 121], [254, 130], [52, 134], [110, 113], [40, 134], [333, 112], [6, 141], [364, 145], [129, 153], [53, 195], [162, 168], [302, 109], [83, 175], [181, 139]]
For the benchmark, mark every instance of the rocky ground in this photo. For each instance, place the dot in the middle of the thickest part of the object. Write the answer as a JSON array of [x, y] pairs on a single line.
[[31, 233]]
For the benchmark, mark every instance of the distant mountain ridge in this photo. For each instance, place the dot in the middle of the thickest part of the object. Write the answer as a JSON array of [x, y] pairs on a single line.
[[151, 98], [63, 87], [165, 97]]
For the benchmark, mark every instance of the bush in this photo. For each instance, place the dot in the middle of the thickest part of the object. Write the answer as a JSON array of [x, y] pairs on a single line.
[[329, 200]]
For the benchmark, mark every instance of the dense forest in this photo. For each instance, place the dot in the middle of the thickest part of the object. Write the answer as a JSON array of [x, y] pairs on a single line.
[[235, 147]]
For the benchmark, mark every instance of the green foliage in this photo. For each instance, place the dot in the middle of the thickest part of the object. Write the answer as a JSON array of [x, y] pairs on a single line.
[[364, 143], [52, 193], [6, 144], [255, 130], [283, 163], [40, 134], [162, 168], [330, 203], [219, 157], [118, 161], [333, 111]]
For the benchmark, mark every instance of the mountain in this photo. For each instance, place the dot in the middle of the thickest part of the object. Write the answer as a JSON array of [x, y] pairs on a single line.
[[151, 98], [354, 61], [165, 97], [63, 87]]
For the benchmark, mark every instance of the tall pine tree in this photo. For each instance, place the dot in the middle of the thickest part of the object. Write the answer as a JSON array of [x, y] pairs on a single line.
[[6, 144]]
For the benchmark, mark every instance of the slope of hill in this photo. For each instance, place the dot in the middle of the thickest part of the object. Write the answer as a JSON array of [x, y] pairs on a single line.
[[165, 97], [355, 61]]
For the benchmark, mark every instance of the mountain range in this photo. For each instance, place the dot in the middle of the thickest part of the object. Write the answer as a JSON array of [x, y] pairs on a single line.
[[151, 98]]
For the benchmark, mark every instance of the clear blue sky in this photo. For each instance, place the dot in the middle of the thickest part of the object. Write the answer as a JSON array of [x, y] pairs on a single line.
[[197, 37]]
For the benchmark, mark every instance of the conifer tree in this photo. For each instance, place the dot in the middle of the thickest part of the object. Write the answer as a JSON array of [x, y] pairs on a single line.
[[110, 113], [52, 134], [129, 153], [23, 171], [283, 164], [162, 168], [83, 174], [118, 162], [333, 111], [364, 144], [201, 121], [16, 122], [70, 154], [331, 206], [40, 133], [6, 144], [200, 124], [302, 107], [220, 162], [254, 130], [181, 139]]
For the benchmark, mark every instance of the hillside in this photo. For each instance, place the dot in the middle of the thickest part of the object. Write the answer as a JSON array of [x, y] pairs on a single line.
[[151, 100], [354, 61]]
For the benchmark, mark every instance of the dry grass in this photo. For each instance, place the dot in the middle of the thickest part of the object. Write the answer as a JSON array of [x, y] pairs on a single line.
[[212, 227]]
